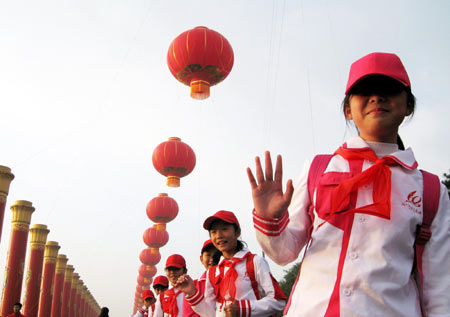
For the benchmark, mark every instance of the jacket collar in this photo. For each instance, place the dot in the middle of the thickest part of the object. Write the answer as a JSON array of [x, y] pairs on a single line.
[[238, 256], [404, 158]]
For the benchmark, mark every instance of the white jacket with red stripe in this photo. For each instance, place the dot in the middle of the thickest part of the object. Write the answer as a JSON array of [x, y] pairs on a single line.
[[206, 305], [360, 264]]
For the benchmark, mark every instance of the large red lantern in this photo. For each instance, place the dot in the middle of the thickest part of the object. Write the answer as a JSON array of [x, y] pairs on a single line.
[[147, 270], [162, 209], [150, 256], [173, 159], [142, 280], [200, 58], [156, 236]]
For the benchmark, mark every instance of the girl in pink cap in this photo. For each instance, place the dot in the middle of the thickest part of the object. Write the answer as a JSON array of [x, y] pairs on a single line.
[[364, 215], [241, 284]]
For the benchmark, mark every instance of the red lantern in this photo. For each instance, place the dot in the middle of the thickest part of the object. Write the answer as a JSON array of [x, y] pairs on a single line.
[[200, 58], [156, 236], [150, 256], [173, 159], [142, 288], [142, 280], [147, 270], [162, 209]]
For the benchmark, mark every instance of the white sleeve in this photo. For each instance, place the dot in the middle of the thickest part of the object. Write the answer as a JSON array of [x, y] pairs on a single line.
[[436, 261], [158, 308], [204, 304], [283, 238], [138, 314], [268, 304]]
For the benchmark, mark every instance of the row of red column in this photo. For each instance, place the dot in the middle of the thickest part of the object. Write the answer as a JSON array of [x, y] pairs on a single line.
[[52, 289]]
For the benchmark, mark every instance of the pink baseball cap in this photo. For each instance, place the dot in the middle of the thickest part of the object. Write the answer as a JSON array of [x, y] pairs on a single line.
[[175, 260], [224, 215], [161, 280], [385, 64]]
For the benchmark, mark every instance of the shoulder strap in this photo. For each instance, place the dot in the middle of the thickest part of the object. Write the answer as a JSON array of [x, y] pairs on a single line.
[[431, 193], [317, 168], [251, 275]]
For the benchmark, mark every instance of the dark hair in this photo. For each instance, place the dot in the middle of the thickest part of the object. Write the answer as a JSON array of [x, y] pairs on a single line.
[[104, 312], [18, 304]]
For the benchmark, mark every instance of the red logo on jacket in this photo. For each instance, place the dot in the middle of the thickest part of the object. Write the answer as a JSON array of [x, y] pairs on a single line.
[[413, 202]]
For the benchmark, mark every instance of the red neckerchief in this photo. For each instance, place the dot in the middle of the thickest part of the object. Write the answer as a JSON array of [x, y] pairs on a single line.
[[225, 282], [379, 174], [169, 303]]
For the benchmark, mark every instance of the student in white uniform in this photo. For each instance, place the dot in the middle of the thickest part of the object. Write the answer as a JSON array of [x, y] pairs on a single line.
[[366, 207], [170, 302], [241, 285], [149, 307]]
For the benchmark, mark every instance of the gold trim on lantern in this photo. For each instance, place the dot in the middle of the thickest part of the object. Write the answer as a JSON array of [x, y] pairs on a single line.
[[160, 226], [173, 181], [200, 89]]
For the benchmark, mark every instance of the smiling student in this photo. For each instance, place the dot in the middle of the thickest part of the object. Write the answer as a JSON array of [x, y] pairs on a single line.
[[364, 214], [149, 304], [241, 285], [170, 302]]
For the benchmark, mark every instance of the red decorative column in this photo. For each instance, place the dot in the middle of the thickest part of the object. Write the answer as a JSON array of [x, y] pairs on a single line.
[[50, 256], [83, 301], [34, 273], [5, 180], [73, 294], [58, 285], [77, 309], [21, 217], [67, 290]]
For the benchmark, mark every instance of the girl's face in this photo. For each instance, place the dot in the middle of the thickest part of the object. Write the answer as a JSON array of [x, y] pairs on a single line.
[[173, 273], [378, 117], [208, 257], [224, 237]]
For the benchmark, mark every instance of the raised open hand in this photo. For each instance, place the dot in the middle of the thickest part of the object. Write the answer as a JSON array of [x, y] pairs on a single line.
[[268, 197]]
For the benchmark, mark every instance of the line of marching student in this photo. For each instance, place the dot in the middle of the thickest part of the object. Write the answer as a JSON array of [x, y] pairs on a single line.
[[375, 228], [235, 283]]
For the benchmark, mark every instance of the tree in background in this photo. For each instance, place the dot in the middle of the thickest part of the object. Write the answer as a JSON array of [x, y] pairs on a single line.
[[289, 279]]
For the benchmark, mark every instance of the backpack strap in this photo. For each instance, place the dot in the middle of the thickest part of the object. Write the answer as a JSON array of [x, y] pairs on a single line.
[[316, 170], [318, 166], [431, 193], [251, 274]]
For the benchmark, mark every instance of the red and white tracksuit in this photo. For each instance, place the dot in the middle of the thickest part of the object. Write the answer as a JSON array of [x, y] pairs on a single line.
[[159, 312], [360, 264], [206, 304]]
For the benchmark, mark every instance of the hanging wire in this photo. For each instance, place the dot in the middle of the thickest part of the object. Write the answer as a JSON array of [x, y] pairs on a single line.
[[307, 76]]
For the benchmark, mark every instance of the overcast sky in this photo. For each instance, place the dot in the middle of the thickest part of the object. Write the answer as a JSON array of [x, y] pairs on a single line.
[[86, 95]]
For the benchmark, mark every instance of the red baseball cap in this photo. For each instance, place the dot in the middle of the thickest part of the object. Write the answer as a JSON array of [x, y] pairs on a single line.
[[175, 260], [208, 243], [161, 280], [385, 64], [147, 294], [224, 215]]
